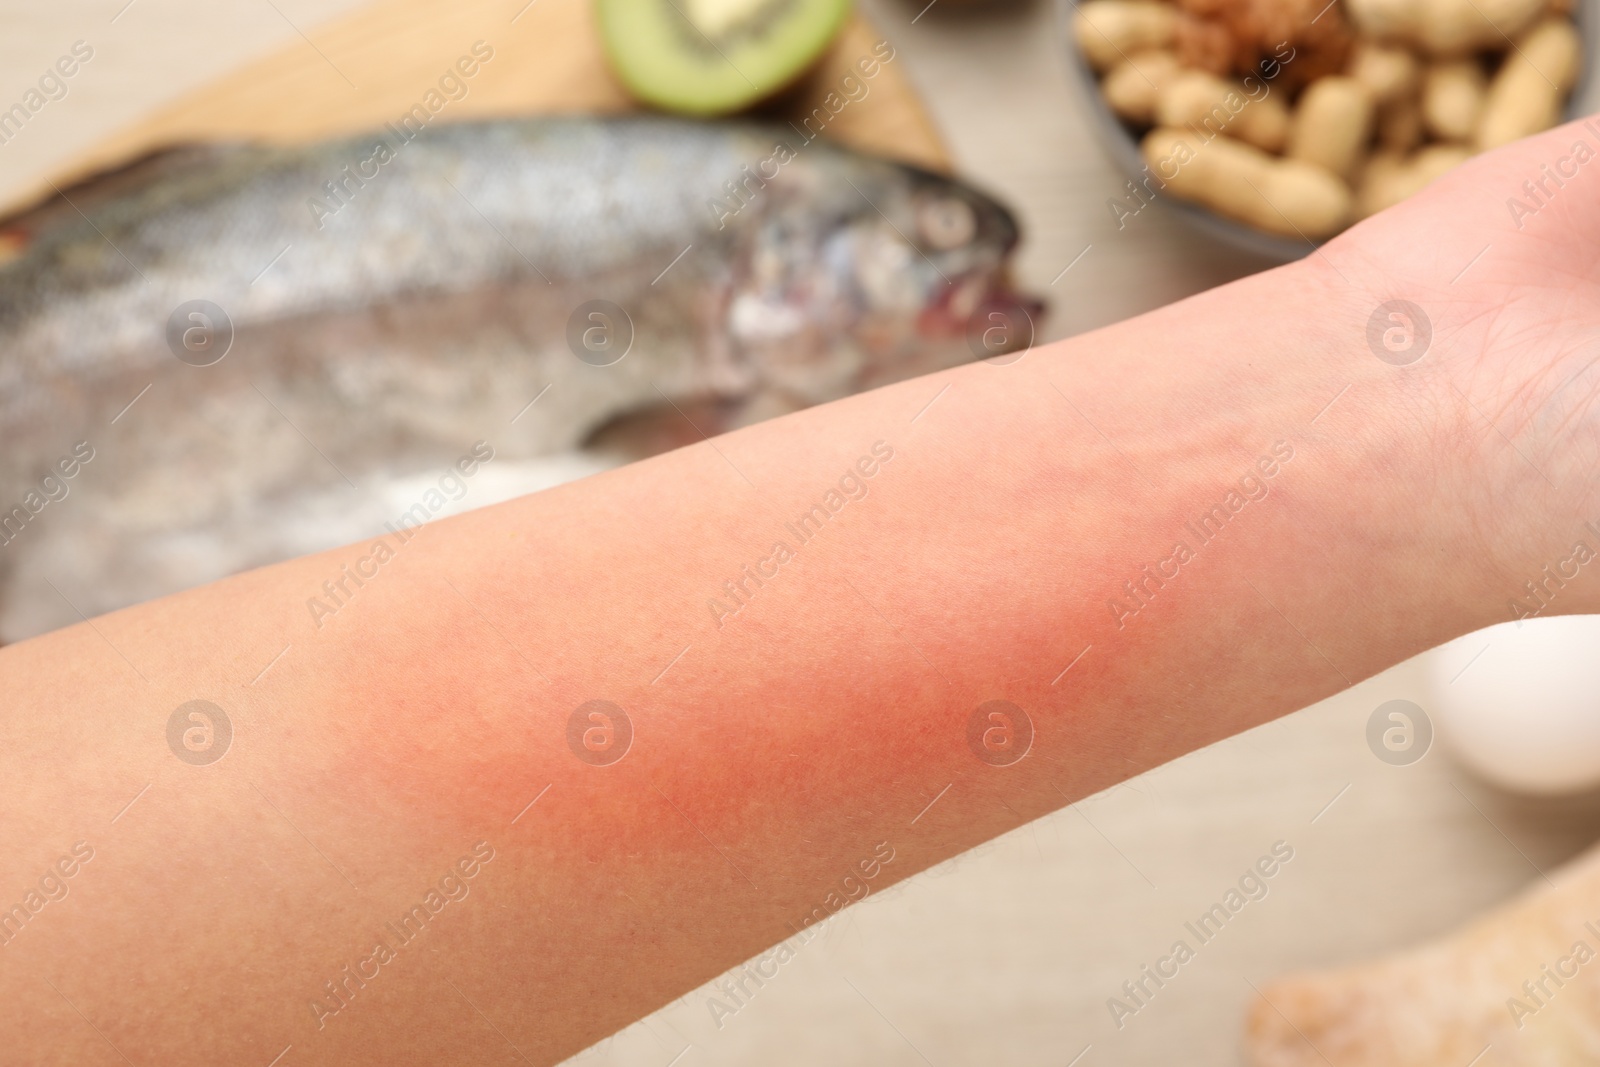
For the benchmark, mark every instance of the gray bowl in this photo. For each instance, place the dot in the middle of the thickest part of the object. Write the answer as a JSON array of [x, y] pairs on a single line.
[[1118, 140]]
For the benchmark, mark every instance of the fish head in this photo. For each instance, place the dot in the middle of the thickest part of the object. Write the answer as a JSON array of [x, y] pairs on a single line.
[[965, 240], [907, 273]]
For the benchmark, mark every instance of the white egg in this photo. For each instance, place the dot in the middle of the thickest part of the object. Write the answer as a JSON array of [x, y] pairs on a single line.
[[1519, 703]]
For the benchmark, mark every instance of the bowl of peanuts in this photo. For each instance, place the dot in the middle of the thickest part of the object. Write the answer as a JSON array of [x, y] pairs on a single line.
[[1275, 124]]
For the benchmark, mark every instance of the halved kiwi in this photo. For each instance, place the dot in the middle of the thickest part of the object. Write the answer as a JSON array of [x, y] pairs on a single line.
[[710, 57]]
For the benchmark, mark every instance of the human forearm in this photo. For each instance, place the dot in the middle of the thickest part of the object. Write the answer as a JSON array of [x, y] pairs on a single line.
[[776, 748]]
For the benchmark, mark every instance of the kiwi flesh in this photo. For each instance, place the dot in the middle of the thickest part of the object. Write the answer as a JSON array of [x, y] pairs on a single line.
[[712, 57]]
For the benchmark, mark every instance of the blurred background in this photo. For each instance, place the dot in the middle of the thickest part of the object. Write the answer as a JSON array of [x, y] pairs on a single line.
[[1009, 954]]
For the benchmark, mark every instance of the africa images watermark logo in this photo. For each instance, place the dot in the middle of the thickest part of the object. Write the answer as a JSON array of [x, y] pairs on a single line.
[[1399, 732], [452, 887], [1251, 887], [199, 732], [340, 191], [852, 485]]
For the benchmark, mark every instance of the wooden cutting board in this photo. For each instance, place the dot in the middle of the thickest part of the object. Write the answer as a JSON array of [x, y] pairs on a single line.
[[373, 65]]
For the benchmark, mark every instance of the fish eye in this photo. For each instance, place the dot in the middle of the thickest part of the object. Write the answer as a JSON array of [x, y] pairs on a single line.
[[946, 222]]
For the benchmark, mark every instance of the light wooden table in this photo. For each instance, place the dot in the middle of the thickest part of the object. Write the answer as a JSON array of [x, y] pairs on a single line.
[[1007, 955]]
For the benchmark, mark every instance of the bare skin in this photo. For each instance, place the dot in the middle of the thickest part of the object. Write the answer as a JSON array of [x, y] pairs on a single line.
[[776, 749]]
